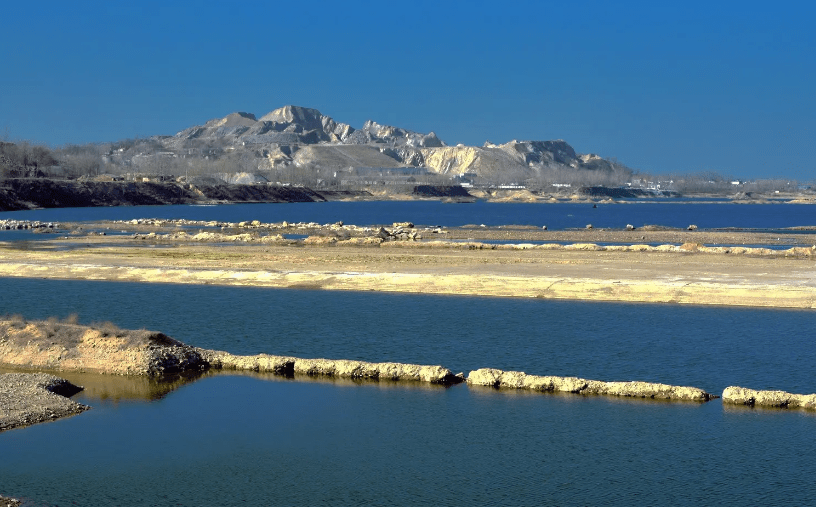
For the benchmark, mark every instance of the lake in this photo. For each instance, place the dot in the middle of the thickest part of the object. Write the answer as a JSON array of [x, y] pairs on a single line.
[[671, 213], [250, 439]]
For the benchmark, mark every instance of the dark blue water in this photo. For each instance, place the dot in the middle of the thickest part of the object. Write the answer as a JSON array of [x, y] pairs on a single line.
[[674, 213], [229, 440], [706, 347], [236, 440]]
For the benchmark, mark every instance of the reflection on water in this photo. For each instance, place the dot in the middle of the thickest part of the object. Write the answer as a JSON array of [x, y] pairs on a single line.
[[103, 388], [265, 440], [114, 388]]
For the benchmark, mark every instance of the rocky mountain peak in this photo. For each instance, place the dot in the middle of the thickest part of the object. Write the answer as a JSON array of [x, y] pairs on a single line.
[[309, 119], [233, 120]]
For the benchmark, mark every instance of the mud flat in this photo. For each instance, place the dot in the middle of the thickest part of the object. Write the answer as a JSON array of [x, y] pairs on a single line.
[[520, 380], [735, 395]]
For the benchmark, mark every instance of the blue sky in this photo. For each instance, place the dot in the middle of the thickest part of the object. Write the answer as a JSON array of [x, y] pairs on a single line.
[[716, 86]]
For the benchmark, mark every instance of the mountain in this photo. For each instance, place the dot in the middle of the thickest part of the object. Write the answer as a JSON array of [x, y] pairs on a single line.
[[295, 138]]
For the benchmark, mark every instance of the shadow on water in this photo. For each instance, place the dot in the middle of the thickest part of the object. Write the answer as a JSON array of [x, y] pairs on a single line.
[[105, 388]]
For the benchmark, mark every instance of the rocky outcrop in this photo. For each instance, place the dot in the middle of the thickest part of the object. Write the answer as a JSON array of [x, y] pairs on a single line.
[[285, 125], [777, 399], [399, 232], [340, 368], [520, 380], [30, 398]]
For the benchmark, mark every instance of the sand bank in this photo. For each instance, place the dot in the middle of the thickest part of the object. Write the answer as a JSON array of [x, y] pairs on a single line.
[[670, 275]]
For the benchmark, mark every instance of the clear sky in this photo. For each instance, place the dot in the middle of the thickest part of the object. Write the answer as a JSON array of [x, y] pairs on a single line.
[[687, 87]]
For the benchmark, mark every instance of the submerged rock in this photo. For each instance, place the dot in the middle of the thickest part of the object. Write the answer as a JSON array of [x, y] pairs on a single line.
[[520, 380]]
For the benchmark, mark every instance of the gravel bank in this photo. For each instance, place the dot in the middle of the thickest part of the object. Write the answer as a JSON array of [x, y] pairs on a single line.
[[31, 398]]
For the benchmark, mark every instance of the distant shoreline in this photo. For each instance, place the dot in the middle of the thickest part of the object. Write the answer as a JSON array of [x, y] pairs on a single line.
[[18, 194]]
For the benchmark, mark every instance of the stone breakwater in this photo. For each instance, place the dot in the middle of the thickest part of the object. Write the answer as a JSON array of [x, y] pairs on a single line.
[[104, 348], [340, 368], [27, 398], [62, 346], [735, 395], [520, 380]]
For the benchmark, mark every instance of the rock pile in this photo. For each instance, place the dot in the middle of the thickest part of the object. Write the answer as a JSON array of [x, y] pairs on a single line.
[[520, 380], [400, 231], [779, 399], [8, 225], [341, 368]]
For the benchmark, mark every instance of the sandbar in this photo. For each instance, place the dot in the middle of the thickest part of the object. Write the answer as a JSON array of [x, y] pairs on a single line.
[[577, 271]]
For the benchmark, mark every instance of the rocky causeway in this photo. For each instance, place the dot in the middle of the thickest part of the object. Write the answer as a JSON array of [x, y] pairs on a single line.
[[29, 395]]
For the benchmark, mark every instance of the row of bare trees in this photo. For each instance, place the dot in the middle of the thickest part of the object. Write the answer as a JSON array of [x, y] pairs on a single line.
[[25, 159]]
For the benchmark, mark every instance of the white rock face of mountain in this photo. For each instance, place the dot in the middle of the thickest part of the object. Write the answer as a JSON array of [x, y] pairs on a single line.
[[294, 136]]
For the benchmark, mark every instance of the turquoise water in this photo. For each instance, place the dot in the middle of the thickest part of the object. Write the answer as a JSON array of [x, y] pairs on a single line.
[[263, 440]]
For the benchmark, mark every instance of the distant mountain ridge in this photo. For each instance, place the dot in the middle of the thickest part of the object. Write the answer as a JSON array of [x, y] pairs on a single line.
[[297, 137]]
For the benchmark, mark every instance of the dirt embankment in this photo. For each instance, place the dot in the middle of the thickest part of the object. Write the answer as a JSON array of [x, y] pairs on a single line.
[[21, 194], [103, 348]]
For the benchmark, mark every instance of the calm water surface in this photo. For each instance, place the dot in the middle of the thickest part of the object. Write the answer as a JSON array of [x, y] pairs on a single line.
[[672, 213], [227, 440], [241, 439]]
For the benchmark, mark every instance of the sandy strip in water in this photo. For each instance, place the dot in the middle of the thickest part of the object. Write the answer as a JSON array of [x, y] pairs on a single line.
[[666, 277]]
